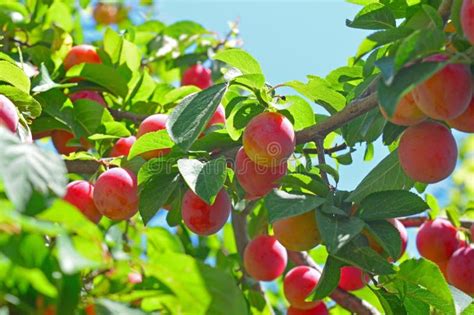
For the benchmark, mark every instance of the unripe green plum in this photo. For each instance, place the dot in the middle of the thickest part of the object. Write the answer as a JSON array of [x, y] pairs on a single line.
[[352, 278], [8, 114], [464, 122], [204, 219], [467, 19], [460, 269], [447, 93], [269, 139], [265, 258], [298, 233], [153, 123], [81, 54], [437, 240], [116, 194], [320, 309], [80, 194], [298, 284], [257, 180], [122, 146], [197, 75], [406, 113], [428, 152]]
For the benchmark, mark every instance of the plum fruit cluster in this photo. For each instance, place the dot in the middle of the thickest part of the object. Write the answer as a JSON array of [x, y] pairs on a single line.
[[440, 242], [427, 149]]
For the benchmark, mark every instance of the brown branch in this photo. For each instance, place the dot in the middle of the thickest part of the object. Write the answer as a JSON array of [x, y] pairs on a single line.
[[410, 222], [355, 109], [329, 151], [322, 158], [445, 9], [82, 166], [122, 115], [345, 299]]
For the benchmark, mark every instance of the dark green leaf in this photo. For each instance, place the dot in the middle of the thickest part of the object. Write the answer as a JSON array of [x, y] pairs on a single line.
[[329, 279], [365, 258], [190, 117], [391, 132], [374, 16], [204, 179], [387, 236], [387, 175], [337, 231], [390, 204], [281, 204]]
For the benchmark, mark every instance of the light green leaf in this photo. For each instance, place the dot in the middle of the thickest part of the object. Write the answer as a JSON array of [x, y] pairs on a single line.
[[239, 59], [14, 75], [155, 140]]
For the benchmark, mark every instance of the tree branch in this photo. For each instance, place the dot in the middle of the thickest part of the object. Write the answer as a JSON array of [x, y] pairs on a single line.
[[418, 221], [445, 9], [122, 115], [343, 298], [355, 109], [322, 158], [337, 148], [82, 166]]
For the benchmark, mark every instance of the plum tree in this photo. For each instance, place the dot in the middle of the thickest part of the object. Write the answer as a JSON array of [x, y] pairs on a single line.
[[8, 114], [428, 152], [60, 140], [197, 75], [465, 121], [319, 309], [467, 19], [202, 218], [298, 284], [298, 233], [352, 278], [406, 113], [446, 94], [269, 139], [152, 123], [460, 269], [265, 258], [122, 146], [80, 194], [116, 194], [89, 95], [218, 117], [437, 240], [81, 54], [256, 180]]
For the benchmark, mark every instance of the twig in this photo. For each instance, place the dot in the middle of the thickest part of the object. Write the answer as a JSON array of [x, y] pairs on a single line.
[[121, 115], [418, 221], [82, 166], [322, 158], [337, 148], [341, 297], [445, 9]]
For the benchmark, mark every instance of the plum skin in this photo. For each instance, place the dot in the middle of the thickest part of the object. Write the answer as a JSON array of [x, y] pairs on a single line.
[[265, 258]]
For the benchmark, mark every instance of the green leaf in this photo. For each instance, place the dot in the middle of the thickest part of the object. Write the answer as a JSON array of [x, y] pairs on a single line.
[[391, 303], [419, 44], [391, 132], [390, 204], [306, 183], [374, 16], [204, 179], [199, 289], [425, 282], [14, 75], [157, 179], [387, 175], [239, 59], [101, 74], [189, 118], [390, 93], [26, 169], [108, 307], [26, 104], [150, 141], [337, 231], [329, 170], [321, 92], [69, 259], [181, 28], [45, 83], [159, 240], [281, 204], [364, 257], [299, 112], [387, 236], [329, 279], [365, 128], [242, 111]]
